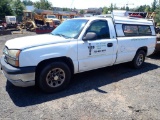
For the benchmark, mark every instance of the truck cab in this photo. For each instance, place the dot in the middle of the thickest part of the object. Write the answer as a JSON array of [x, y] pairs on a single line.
[[55, 19], [77, 45]]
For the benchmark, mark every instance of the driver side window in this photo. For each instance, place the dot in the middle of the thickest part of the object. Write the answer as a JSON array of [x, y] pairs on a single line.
[[100, 28]]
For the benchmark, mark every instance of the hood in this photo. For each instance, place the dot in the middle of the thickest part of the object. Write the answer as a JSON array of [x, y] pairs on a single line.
[[32, 41]]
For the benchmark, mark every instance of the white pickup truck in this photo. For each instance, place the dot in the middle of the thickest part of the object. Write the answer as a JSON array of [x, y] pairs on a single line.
[[77, 45]]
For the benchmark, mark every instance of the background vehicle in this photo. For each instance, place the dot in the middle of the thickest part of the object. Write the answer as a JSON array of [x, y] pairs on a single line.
[[31, 21], [3, 30], [63, 17], [1, 24], [55, 20], [11, 22]]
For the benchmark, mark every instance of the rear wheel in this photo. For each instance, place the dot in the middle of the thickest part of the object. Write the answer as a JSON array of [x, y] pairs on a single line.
[[138, 60], [54, 77]]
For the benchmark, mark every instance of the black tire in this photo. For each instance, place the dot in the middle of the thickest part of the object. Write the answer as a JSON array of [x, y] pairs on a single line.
[[138, 60], [54, 77]]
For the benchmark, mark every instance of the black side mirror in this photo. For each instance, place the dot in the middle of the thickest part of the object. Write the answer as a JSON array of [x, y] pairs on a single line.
[[90, 36]]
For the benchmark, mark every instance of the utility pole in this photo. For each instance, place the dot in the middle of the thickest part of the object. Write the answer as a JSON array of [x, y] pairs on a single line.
[[71, 4]]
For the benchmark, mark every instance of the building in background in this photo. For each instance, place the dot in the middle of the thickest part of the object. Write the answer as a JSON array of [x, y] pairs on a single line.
[[94, 11]]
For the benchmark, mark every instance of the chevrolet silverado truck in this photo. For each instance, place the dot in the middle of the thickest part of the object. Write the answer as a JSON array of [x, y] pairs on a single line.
[[77, 45]]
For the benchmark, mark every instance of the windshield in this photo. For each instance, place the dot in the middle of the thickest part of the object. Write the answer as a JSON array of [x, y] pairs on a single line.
[[12, 19], [51, 16], [70, 28]]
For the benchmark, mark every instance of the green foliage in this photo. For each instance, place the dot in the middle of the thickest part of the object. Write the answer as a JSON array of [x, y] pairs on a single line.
[[127, 8], [157, 18], [154, 5], [43, 4], [81, 11], [27, 2], [105, 10], [123, 8], [140, 8], [115, 7], [18, 7], [147, 8], [66, 9], [5, 8], [110, 8]]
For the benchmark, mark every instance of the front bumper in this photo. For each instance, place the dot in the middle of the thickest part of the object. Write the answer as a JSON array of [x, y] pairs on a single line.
[[22, 77]]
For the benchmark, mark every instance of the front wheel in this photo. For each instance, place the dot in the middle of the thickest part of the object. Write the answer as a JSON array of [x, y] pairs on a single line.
[[54, 77], [138, 60]]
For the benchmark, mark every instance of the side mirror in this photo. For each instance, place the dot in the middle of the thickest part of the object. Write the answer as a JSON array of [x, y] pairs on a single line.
[[90, 36]]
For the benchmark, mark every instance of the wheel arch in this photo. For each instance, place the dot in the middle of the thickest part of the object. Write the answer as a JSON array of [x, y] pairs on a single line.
[[68, 61], [144, 48]]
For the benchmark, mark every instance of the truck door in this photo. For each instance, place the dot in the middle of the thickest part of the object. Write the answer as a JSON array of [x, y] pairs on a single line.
[[100, 52]]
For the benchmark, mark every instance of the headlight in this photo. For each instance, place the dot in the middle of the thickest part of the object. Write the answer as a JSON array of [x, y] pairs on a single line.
[[14, 53], [12, 56]]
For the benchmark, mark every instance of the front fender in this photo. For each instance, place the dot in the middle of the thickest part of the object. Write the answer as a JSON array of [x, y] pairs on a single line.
[[33, 56]]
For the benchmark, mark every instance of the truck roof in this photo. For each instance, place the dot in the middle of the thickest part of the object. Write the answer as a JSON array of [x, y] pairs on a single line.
[[122, 20]]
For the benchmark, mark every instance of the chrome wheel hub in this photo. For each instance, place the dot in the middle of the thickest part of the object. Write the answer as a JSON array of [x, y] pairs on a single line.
[[55, 77], [140, 60]]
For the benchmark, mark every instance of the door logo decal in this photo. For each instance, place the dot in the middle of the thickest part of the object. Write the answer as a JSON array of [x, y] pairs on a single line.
[[90, 48]]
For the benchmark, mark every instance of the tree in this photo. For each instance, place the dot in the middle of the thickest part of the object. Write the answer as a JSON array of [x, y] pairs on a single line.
[[127, 8], [66, 9], [154, 5], [157, 18], [105, 10], [18, 7], [115, 7], [123, 8], [111, 8], [43, 4], [81, 11], [147, 9], [5, 8], [27, 2], [142, 8]]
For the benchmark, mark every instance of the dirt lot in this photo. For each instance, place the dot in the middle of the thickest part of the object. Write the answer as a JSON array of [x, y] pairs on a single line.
[[114, 93]]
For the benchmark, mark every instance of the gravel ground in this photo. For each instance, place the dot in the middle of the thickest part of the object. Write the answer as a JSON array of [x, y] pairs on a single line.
[[114, 93]]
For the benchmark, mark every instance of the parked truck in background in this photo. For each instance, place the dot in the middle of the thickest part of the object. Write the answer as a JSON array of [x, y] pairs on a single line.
[[55, 20], [11, 22]]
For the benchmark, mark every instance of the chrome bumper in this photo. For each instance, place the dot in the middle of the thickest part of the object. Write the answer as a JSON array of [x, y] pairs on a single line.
[[21, 80]]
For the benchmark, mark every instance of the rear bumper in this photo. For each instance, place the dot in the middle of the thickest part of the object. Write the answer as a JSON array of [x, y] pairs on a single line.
[[22, 77]]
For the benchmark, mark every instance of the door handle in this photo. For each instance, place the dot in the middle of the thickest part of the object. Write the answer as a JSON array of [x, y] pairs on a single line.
[[109, 44]]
